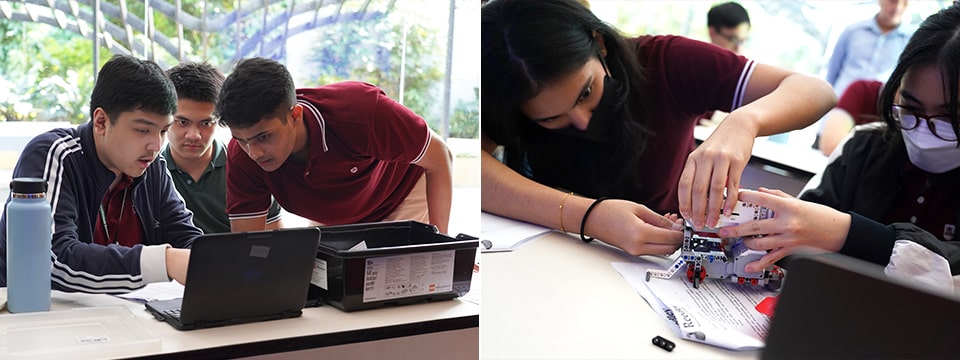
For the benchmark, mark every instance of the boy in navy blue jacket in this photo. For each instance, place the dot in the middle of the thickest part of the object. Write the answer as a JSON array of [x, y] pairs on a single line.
[[118, 221]]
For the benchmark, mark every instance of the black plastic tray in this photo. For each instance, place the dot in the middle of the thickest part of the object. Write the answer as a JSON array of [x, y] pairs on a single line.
[[398, 263]]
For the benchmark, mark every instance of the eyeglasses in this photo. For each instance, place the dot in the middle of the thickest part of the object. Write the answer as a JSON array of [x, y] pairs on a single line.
[[733, 38], [939, 125]]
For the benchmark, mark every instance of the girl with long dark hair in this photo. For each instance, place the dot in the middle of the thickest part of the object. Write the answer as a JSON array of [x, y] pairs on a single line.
[[585, 114]]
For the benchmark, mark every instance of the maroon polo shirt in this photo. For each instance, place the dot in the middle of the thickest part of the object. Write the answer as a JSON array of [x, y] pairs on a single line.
[[686, 78], [860, 101], [122, 225], [362, 146]]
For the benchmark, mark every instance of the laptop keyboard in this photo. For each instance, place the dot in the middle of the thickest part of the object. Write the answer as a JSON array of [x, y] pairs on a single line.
[[174, 313]]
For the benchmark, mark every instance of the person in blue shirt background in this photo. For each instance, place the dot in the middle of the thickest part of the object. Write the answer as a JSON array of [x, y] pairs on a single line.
[[869, 49]]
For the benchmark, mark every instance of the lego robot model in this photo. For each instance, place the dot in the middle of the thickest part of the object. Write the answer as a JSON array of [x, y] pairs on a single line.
[[704, 254]]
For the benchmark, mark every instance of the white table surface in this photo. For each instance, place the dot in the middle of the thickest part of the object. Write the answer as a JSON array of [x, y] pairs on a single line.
[[317, 327], [558, 298]]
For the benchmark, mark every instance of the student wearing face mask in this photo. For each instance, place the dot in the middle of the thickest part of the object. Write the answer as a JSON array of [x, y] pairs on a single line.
[[903, 171], [584, 114]]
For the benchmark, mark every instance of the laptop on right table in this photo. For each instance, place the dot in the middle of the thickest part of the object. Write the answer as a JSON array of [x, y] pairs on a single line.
[[236, 278], [834, 306]]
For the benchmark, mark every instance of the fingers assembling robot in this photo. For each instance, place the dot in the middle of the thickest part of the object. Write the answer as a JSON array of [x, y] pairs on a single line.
[[704, 254]]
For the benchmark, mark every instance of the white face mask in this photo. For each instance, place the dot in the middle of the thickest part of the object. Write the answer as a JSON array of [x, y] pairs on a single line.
[[930, 153]]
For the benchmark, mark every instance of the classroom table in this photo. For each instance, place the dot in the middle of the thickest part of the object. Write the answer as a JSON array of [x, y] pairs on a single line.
[[438, 330], [559, 298]]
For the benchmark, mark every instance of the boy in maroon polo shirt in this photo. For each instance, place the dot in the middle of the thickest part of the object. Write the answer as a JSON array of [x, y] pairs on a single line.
[[857, 106], [337, 154]]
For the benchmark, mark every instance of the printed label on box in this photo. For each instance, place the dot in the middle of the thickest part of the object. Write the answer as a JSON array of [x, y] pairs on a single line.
[[403, 276], [93, 339], [319, 277]]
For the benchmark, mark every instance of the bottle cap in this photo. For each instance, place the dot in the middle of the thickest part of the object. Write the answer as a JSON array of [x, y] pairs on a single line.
[[28, 185]]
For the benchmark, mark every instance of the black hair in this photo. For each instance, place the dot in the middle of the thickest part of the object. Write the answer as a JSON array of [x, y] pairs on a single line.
[[526, 45], [126, 83], [196, 81], [935, 43], [257, 89], [727, 15]]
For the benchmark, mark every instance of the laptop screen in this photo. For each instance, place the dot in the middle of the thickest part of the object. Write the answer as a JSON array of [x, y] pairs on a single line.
[[237, 276], [834, 306]]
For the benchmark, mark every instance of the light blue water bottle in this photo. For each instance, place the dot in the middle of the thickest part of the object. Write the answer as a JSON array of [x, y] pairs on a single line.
[[28, 246]]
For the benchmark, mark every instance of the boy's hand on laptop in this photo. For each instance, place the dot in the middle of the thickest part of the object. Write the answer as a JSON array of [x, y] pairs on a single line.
[[177, 260], [796, 223]]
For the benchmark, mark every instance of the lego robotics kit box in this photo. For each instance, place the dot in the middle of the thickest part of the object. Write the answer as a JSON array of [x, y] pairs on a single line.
[[365, 266]]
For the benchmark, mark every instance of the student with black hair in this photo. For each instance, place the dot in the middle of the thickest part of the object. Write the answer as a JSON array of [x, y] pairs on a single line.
[[341, 153], [729, 25], [119, 223], [580, 109], [196, 159], [902, 171]]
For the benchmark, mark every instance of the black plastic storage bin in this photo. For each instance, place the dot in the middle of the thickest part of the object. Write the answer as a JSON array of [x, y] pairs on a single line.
[[365, 266]]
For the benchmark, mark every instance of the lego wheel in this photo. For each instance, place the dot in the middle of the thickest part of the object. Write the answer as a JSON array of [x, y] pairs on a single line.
[[773, 284]]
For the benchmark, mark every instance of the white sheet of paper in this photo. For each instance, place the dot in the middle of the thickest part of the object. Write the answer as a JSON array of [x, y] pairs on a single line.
[[498, 233], [156, 291], [718, 313]]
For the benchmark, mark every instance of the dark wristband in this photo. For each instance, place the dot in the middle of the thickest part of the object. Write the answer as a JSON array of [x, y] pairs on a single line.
[[583, 223]]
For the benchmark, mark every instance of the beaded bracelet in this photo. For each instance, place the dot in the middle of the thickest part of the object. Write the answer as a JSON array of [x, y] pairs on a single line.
[[561, 210], [583, 223]]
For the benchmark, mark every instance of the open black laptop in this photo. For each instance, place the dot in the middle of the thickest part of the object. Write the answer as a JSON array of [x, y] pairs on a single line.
[[834, 306], [243, 277]]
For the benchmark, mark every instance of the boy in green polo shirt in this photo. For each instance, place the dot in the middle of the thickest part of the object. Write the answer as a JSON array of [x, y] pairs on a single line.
[[196, 160]]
